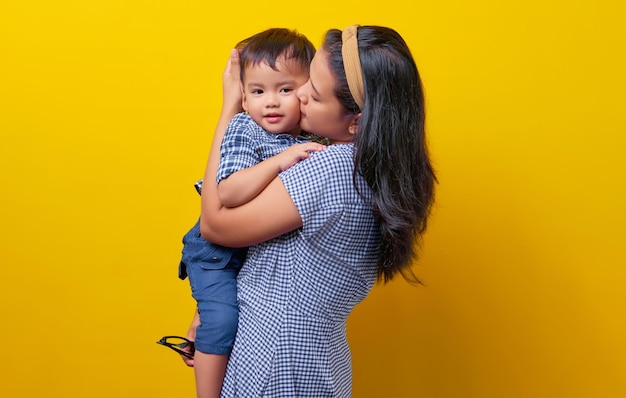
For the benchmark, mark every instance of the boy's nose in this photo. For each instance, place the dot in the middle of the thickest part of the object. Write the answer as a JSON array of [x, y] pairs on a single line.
[[272, 101]]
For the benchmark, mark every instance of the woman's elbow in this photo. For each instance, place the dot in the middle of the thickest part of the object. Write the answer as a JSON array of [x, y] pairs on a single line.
[[210, 234]]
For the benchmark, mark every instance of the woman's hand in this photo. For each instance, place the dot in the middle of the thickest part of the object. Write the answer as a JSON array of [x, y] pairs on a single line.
[[231, 85], [231, 105]]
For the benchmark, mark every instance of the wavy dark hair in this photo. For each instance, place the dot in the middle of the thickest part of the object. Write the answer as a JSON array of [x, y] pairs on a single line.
[[391, 151], [271, 44]]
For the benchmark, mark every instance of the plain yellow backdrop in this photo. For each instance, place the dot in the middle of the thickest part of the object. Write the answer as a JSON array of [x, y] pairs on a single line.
[[106, 115]]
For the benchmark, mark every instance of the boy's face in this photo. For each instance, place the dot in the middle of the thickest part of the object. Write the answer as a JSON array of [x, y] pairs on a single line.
[[270, 98]]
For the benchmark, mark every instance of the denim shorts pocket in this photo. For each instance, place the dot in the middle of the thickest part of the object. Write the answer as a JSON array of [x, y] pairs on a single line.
[[199, 252]]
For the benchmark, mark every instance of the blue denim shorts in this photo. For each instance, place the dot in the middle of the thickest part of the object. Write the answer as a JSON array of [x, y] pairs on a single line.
[[212, 271]]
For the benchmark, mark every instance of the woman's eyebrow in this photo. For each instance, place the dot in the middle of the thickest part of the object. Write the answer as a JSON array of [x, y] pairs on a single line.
[[314, 89]]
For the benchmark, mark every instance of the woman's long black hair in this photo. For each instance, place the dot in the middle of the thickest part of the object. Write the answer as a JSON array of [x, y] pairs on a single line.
[[391, 151]]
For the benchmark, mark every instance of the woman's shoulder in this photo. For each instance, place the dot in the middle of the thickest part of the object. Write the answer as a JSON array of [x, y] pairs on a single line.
[[337, 155], [334, 160], [331, 169]]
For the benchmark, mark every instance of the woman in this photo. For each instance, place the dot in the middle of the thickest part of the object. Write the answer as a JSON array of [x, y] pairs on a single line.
[[326, 229]]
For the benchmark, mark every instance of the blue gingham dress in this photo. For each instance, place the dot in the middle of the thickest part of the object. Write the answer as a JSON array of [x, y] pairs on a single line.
[[296, 291]]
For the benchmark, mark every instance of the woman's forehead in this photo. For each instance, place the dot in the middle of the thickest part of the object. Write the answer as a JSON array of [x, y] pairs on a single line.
[[322, 80]]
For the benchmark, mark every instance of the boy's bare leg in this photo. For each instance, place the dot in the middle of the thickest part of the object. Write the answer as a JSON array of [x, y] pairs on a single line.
[[209, 370]]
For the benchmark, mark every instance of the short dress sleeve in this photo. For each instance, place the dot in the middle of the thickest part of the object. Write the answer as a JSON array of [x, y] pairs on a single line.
[[335, 214], [319, 181]]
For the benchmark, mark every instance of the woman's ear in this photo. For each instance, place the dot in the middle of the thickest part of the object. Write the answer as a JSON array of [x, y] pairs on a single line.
[[353, 128]]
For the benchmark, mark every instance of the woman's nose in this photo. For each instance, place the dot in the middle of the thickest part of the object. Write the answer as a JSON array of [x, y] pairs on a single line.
[[300, 93]]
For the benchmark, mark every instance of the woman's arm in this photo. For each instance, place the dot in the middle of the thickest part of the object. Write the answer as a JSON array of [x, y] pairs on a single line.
[[270, 214]]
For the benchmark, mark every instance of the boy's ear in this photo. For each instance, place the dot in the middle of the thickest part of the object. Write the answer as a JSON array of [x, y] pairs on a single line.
[[353, 128], [244, 104]]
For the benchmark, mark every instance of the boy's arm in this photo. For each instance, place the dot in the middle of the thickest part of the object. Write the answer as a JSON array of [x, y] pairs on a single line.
[[244, 185]]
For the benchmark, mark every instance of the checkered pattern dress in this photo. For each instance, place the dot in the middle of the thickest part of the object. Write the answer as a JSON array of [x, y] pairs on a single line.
[[296, 291]]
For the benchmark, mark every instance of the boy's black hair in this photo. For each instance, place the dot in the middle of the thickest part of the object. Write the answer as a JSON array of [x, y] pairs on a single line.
[[272, 44]]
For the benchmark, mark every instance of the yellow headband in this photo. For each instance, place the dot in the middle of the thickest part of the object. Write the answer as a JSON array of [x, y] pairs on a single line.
[[352, 64]]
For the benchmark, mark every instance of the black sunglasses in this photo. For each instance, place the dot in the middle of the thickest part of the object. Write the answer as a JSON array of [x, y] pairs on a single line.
[[177, 344]]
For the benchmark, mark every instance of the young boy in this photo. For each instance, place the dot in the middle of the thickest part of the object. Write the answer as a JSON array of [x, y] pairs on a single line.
[[256, 147]]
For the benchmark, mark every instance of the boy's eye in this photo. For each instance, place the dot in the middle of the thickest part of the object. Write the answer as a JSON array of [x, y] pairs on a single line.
[[286, 90], [257, 91]]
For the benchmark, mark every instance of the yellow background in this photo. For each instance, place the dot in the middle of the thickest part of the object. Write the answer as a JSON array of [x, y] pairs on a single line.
[[106, 114]]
